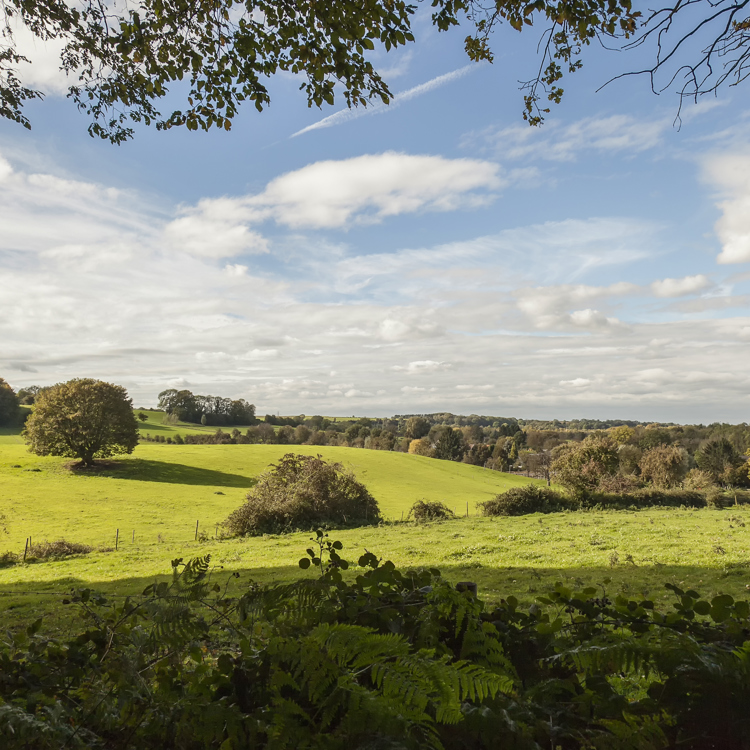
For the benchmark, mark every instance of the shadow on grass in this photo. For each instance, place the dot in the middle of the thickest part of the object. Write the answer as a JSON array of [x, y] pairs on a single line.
[[23, 602], [146, 470]]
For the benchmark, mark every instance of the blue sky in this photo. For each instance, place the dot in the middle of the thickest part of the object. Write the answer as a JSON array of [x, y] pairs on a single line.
[[434, 255]]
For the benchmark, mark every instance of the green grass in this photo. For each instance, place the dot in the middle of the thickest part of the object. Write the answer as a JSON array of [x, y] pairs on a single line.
[[156, 496]]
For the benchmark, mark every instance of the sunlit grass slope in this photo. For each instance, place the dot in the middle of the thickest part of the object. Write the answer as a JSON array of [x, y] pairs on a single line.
[[162, 490], [155, 497]]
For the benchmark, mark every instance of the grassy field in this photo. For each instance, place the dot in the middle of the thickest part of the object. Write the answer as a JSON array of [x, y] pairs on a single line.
[[156, 496]]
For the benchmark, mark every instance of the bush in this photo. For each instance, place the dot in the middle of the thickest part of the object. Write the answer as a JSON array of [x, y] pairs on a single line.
[[424, 510], [60, 548], [301, 492], [8, 558], [644, 498], [531, 498]]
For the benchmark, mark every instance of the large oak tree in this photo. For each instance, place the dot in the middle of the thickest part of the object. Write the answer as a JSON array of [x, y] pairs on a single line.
[[83, 418]]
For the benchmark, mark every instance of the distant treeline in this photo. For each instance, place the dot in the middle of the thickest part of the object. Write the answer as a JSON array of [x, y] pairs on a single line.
[[460, 420], [211, 410], [620, 458]]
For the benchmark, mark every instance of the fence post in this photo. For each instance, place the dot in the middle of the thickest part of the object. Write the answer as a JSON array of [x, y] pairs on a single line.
[[196, 530], [26, 549], [467, 508], [133, 539], [117, 539]]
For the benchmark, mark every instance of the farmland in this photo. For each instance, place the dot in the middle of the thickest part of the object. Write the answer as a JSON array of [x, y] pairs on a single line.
[[156, 496]]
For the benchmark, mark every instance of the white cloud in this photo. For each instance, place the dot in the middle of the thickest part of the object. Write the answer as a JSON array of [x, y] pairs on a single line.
[[730, 173], [422, 366], [333, 194], [236, 269], [558, 142], [576, 382], [370, 188], [589, 318], [680, 287], [553, 307], [509, 323], [43, 72], [215, 228]]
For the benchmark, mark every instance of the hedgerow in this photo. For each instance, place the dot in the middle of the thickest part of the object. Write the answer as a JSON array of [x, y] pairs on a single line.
[[385, 659], [531, 498]]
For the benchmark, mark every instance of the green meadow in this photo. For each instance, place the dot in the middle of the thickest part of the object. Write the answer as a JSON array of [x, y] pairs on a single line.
[[156, 496]]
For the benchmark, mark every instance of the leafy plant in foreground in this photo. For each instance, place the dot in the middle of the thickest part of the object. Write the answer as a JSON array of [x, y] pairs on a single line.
[[370, 656]]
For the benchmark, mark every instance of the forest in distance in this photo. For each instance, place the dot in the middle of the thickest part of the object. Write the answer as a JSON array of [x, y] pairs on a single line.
[[582, 455]]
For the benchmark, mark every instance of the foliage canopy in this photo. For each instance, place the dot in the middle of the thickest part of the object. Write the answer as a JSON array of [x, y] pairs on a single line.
[[8, 404], [123, 60], [83, 418], [581, 467]]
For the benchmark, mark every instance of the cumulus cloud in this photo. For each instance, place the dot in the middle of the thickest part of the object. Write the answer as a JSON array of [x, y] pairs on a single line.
[[680, 287], [589, 318], [372, 187], [554, 306], [508, 323], [215, 228], [332, 194], [730, 173]]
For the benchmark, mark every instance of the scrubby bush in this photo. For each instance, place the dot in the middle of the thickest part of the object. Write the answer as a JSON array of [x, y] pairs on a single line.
[[518, 501], [644, 498], [696, 479], [301, 492], [52, 550], [8, 558], [424, 510]]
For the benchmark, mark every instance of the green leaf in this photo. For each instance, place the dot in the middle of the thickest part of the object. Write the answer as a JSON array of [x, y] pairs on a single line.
[[702, 607], [304, 563]]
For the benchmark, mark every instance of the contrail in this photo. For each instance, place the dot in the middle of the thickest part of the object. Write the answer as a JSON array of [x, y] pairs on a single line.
[[344, 115]]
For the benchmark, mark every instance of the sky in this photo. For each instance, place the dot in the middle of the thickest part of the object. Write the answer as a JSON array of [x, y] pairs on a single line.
[[437, 254]]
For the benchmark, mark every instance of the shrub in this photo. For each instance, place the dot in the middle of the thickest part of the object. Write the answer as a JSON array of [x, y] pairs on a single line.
[[301, 492], [644, 498], [697, 479], [60, 548], [424, 510], [518, 501], [8, 558]]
